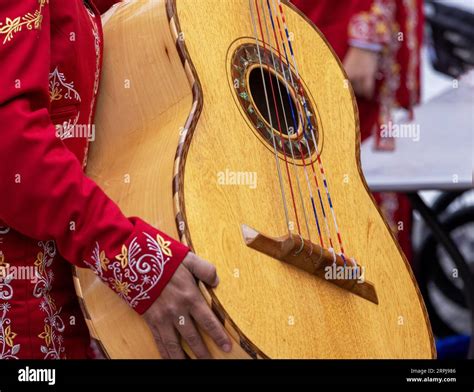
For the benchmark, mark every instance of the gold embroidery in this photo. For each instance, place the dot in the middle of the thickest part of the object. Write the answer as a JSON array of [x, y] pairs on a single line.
[[377, 9], [30, 21], [4, 267], [381, 28], [8, 348], [122, 288], [104, 261], [373, 26], [47, 335], [53, 324], [60, 88], [134, 272], [9, 336], [165, 245], [55, 94], [123, 257], [39, 262]]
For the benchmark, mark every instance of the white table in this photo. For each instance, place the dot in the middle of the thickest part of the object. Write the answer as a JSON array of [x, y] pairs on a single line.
[[443, 157]]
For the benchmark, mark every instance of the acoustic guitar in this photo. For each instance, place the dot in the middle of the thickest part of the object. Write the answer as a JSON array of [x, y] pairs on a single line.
[[230, 124]]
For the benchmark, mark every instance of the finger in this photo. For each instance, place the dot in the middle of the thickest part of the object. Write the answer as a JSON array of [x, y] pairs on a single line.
[[190, 334], [170, 341], [209, 323], [159, 342], [202, 270]]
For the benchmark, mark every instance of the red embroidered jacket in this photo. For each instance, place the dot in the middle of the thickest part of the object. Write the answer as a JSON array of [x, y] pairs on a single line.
[[51, 214]]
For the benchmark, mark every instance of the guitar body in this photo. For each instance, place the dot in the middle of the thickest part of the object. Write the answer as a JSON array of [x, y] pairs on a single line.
[[172, 141]]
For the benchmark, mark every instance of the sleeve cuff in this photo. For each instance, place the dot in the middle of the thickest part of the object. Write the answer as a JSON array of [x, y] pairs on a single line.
[[142, 268], [372, 47]]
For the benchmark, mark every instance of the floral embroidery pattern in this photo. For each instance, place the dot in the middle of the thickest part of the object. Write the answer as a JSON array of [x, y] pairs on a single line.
[[9, 349], [133, 273], [373, 26], [7, 336], [29, 21], [165, 245], [6, 289], [60, 88], [412, 43], [53, 324], [123, 257], [104, 261], [98, 60]]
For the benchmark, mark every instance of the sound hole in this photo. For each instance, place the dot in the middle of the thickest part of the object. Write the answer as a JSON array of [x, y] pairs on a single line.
[[247, 64], [284, 107]]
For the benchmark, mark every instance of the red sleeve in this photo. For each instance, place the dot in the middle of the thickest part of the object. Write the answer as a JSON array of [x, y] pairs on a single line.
[[44, 193], [104, 5], [360, 23], [370, 25]]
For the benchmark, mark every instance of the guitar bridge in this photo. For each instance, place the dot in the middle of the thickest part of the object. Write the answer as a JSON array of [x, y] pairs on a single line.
[[311, 258]]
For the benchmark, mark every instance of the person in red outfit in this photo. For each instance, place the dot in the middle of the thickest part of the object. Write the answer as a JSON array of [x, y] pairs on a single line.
[[379, 44], [52, 216]]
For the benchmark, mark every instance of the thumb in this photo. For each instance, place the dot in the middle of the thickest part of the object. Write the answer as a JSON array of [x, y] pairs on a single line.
[[201, 269]]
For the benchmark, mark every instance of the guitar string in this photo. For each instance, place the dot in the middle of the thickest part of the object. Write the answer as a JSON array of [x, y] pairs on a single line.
[[295, 122], [295, 168], [277, 159], [323, 210], [310, 126], [319, 160], [278, 123], [318, 188]]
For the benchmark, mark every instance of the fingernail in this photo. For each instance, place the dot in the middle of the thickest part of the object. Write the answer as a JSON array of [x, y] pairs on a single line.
[[216, 283], [226, 348]]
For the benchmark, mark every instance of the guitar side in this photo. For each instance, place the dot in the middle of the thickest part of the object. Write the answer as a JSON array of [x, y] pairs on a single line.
[[144, 100]]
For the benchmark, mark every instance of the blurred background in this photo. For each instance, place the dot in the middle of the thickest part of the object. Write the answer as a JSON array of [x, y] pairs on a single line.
[[448, 54]]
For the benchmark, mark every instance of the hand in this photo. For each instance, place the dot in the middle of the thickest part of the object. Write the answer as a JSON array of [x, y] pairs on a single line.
[[180, 306], [361, 66]]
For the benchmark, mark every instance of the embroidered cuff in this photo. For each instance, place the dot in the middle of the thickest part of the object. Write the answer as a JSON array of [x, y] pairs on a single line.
[[365, 45], [143, 266], [373, 27]]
